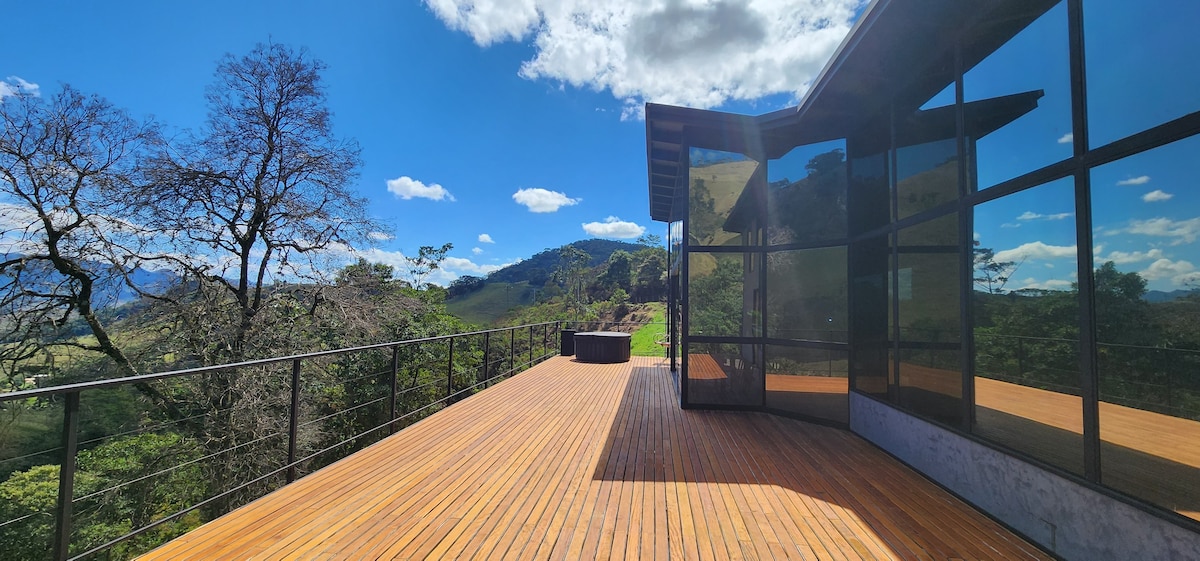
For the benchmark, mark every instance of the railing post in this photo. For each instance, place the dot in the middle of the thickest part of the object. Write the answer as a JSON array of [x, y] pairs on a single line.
[[293, 421], [450, 371], [394, 390], [512, 350], [531, 345], [1020, 357], [487, 348], [66, 477]]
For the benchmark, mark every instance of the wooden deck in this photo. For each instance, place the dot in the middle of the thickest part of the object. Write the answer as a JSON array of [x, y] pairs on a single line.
[[578, 461]]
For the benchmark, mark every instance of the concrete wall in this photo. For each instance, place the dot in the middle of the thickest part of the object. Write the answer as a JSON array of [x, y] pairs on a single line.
[[1069, 519]]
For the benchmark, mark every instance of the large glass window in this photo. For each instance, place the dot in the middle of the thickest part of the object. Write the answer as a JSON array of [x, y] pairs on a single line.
[[1142, 68], [807, 381], [1146, 218], [724, 374], [1026, 325], [868, 202], [1018, 114], [720, 200], [927, 294], [806, 294], [806, 194], [926, 173], [869, 311], [724, 299]]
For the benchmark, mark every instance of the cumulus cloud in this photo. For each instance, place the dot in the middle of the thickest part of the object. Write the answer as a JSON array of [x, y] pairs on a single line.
[[1183, 231], [408, 188], [1167, 269], [680, 52], [477, 250], [14, 85], [1030, 215], [484, 238], [613, 227], [1049, 284], [1139, 180], [1066, 138], [543, 200], [1157, 196], [379, 236], [1123, 257], [1035, 250], [451, 267]]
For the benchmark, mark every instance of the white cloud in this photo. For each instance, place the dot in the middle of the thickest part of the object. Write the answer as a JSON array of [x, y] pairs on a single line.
[[379, 236], [1167, 269], [14, 85], [699, 54], [1030, 215], [1035, 250], [1049, 284], [1123, 257], [613, 227], [1139, 180], [1157, 196], [484, 238], [1010, 225], [1184, 231], [1066, 138], [477, 250], [542, 200], [408, 188]]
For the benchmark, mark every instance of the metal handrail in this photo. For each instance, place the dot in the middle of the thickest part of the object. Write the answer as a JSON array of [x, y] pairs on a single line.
[[71, 392]]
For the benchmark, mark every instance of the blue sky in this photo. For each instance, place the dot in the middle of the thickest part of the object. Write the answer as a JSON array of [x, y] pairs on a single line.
[[462, 108], [506, 126]]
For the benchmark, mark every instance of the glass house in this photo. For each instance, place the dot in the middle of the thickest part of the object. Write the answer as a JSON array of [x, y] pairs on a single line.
[[975, 243]]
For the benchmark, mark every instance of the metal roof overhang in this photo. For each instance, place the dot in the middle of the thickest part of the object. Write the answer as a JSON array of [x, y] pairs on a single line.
[[898, 55]]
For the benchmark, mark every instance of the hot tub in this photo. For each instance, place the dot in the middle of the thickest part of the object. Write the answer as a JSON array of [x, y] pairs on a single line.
[[602, 346]]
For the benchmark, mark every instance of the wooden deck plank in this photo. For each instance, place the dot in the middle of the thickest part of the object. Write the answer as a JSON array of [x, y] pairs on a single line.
[[576, 461]]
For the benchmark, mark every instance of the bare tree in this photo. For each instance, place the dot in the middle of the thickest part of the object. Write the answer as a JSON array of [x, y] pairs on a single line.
[[67, 166], [265, 189]]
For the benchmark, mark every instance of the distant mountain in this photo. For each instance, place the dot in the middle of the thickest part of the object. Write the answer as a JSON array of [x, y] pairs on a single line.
[[1158, 296], [115, 293], [537, 269]]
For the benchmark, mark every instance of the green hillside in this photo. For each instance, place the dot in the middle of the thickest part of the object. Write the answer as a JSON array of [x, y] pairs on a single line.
[[488, 304]]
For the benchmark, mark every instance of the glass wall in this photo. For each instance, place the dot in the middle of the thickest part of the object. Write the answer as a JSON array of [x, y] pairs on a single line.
[[974, 259], [1025, 310], [717, 191], [1146, 214], [809, 381], [1142, 65]]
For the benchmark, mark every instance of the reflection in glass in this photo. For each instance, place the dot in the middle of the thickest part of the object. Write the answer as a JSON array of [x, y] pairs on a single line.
[[927, 292], [723, 295], [868, 318], [869, 205], [1026, 325], [1145, 212], [926, 175], [718, 190], [724, 374], [806, 194], [809, 382], [1132, 49], [806, 294], [1019, 114]]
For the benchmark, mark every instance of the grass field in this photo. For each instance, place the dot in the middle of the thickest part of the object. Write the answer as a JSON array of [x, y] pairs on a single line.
[[488, 304], [645, 340]]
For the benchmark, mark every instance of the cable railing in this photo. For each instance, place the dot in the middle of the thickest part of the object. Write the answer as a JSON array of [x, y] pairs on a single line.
[[304, 412], [1160, 379]]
